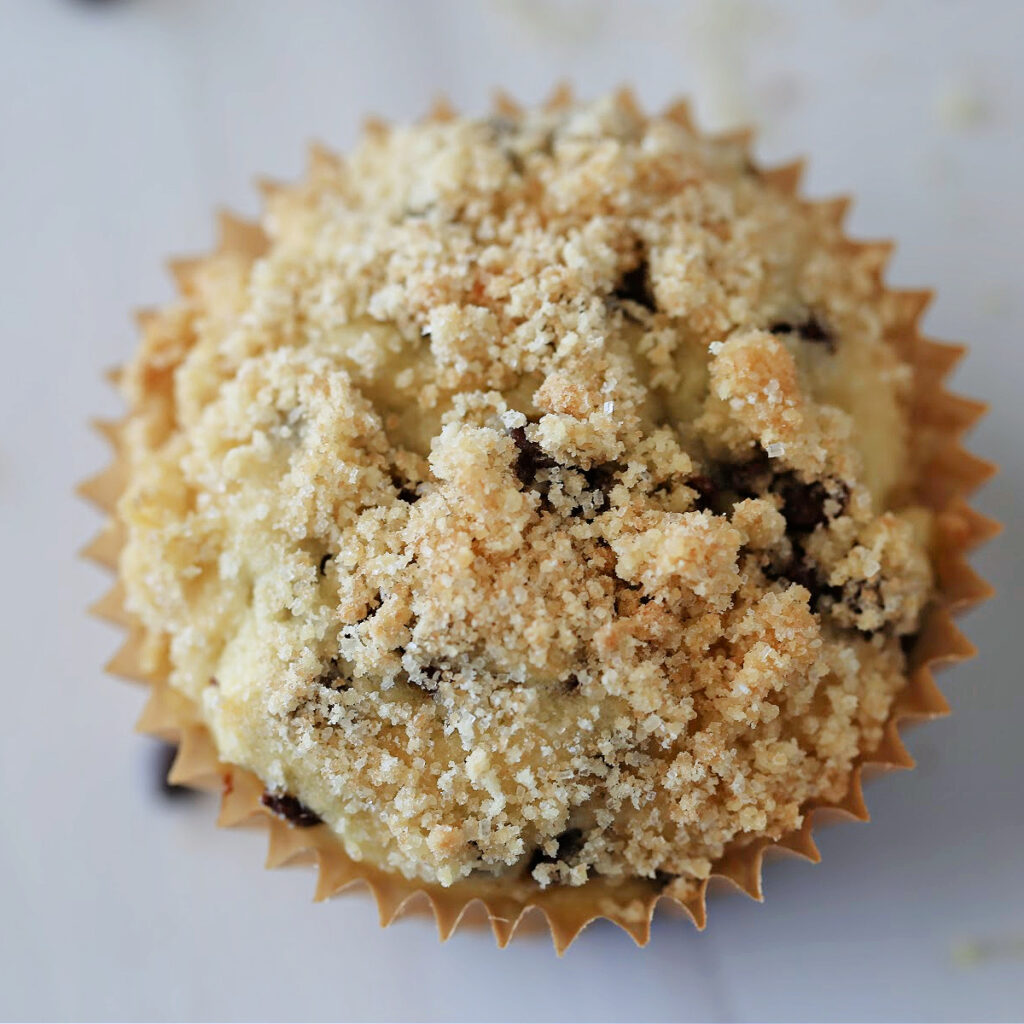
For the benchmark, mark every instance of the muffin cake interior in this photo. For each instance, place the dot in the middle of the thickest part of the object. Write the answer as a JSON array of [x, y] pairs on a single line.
[[534, 502]]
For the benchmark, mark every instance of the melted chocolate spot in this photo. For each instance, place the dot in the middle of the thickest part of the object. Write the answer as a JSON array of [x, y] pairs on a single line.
[[570, 842], [907, 642], [572, 684], [296, 813], [635, 286], [531, 459], [811, 329], [323, 563]]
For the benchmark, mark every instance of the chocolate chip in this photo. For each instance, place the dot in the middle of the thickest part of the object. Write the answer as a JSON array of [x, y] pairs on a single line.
[[531, 458], [572, 684], [164, 755], [747, 479], [802, 571], [570, 842], [635, 286], [333, 677], [803, 505], [323, 563], [405, 492], [601, 477], [662, 879], [907, 642], [296, 813], [811, 329], [707, 492], [599, 481]]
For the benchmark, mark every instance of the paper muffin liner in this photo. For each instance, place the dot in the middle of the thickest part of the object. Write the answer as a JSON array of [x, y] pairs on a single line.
[[948, 476]]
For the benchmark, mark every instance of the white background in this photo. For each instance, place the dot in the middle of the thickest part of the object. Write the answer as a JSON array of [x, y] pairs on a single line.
[[122, 125]]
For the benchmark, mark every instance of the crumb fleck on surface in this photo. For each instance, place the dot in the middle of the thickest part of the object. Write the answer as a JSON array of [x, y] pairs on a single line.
[[517, 536]]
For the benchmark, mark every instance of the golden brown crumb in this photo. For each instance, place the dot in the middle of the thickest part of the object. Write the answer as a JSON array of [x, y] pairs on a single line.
[[530, 492]]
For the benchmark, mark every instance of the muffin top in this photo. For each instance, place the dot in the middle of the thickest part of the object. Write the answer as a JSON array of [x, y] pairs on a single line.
[[529, 497]]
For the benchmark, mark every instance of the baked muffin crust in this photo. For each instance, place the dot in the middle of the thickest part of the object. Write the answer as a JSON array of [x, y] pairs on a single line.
[[534, 502]]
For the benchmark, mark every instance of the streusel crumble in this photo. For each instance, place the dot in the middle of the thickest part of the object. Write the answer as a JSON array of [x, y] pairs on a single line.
[[535, 502]]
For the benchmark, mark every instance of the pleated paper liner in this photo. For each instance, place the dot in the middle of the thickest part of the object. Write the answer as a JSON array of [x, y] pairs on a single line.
[[949, 476]]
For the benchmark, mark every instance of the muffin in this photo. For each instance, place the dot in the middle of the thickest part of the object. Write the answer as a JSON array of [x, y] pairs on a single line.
[[547, 508]]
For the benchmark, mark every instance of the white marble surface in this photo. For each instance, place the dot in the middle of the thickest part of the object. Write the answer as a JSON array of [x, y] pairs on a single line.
[[122, 124]]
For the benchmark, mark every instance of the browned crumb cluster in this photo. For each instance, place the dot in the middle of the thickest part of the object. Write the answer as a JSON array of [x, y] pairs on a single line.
[[530, 499]]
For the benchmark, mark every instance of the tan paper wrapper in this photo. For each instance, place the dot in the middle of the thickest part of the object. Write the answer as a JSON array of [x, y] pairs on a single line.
[[950, 475]]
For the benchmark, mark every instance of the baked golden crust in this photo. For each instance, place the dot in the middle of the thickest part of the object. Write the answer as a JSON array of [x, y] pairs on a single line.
[[532, 502]]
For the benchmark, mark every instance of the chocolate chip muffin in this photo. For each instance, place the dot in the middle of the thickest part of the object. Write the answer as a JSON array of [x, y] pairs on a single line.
[[531, 499]]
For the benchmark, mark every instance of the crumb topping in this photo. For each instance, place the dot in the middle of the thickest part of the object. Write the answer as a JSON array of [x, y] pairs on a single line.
[[529, 499]]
